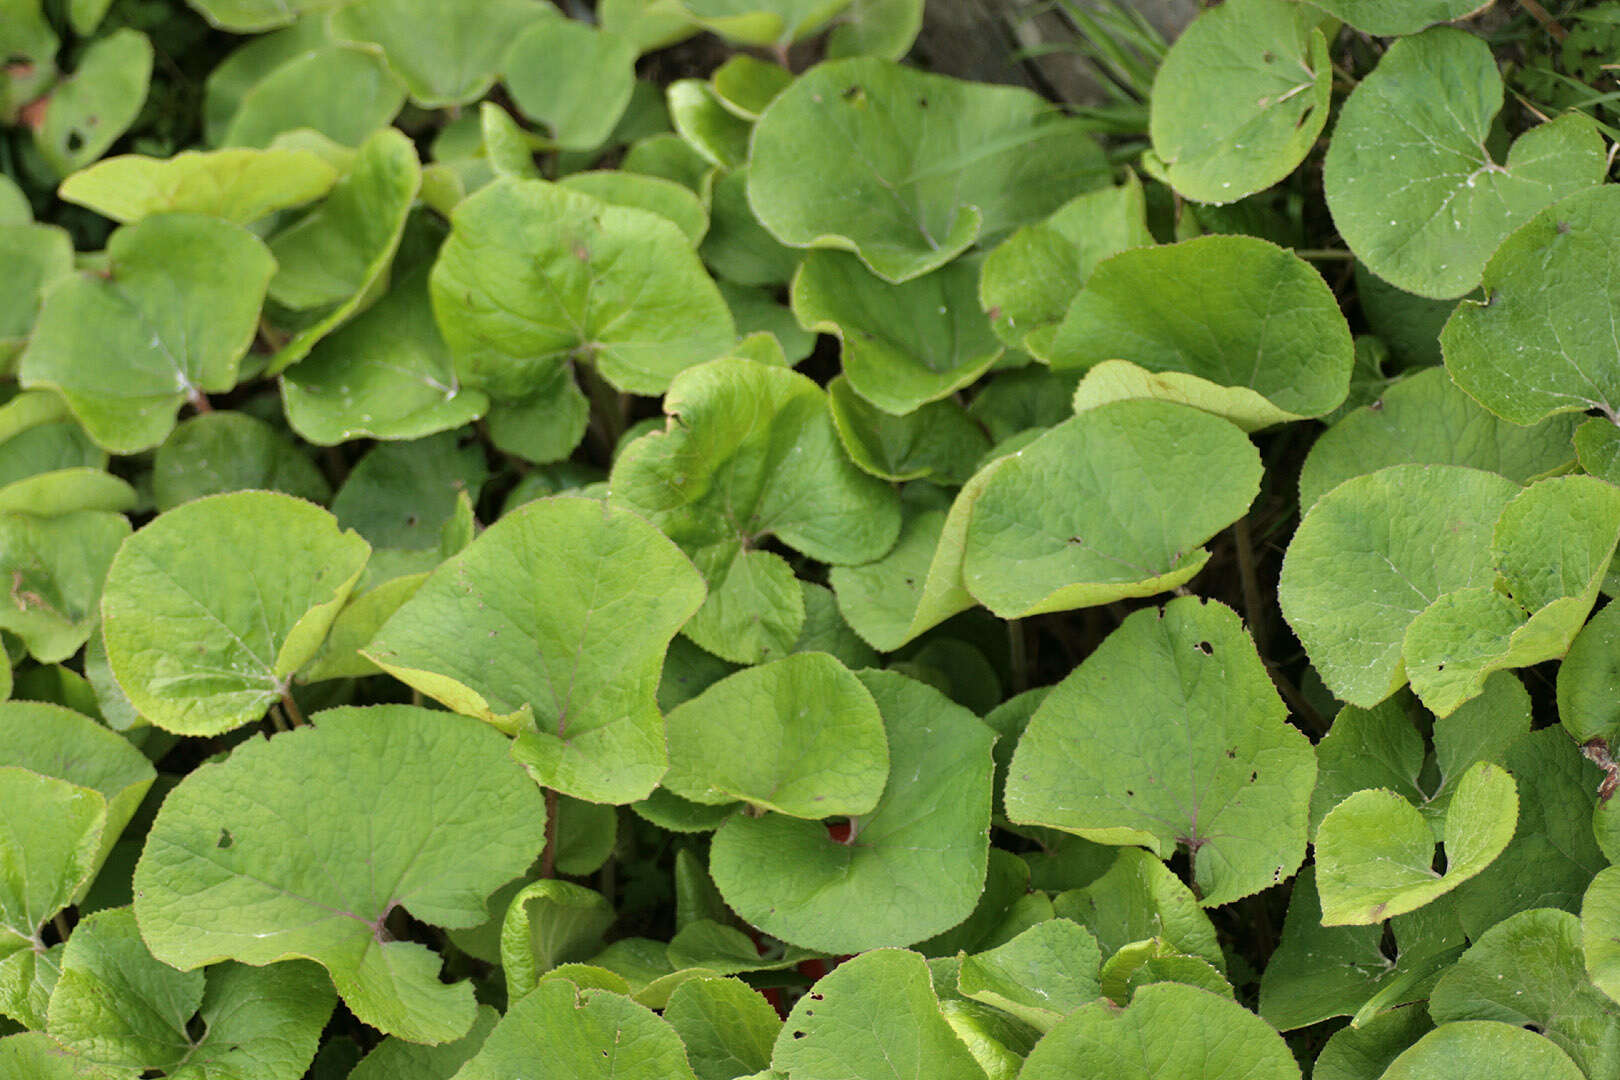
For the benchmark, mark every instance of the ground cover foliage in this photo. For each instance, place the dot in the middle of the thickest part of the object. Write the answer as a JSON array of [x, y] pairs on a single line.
[[665, 540]]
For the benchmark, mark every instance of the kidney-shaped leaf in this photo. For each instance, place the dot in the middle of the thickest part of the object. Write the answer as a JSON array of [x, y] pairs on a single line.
[[927, 164], [1113, 503], [1249, 326], [1372, 555], [1375, 851], [552, 625], [249, 608], [167, 322], [751, 452], [1171, 733], [912, 867], [117, 1006], [800, 736], [534, 275], [237, 185], [363, 812], [1168, 1032], [1413, 189], [1240, 98], [1469, 1048]]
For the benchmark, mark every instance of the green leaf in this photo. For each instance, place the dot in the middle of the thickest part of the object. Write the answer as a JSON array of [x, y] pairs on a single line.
[[534, 275], [26, 35], [396, 1059], [1482, 1048], [751, 452], [36, 257], [1553, 854], [1375, 552], [1375, 853], [913, 867], [252, 16], [727, 1026], [1168, 1032], [237, 185], [902, 345], [387, 374], [1529, 971], [1029, 552], [737, 246], [37, 1056], [53, 570], [218, 452], [932, 164], [1534, 347], [251, 614], [447, 53], [544, 425], [572, 77], [756, 310], [115, 1005], [1249, 328], [402, 494], [1413, 189], [1040, 976], [1426, 420], [1170, 733], [763, 22], [718, 135], [663, 197], [451, 819], [1029, 280], [1240, 98], [563, 651], [799, 736], [1388, 18], [1597, 449], [875, 1016], [345, 92], [1551, 548], [1363, 1053], [333, 261], [550, 923], [939, 441], [88, 111], [1138, 899], [1587, 706], [583, 1034], [885, 28], [745, 84], [167, 322], [1319, 972]]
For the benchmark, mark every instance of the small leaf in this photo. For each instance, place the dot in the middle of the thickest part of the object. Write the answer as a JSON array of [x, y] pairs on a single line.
[[251, 614], [446, 52], [1374, 851], [169, 321], [1413, 189], [220, 452], [87, 112], [53, 570], [1240, 98], [1040, 976], [564, 650], [571, 76], [345, 92], [550, 923], [728, 1027], [238, 185], [932, 164], [454, 818]]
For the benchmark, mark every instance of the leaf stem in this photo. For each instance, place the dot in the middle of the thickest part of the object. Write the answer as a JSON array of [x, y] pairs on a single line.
[[1333, 254], [1020, 655], [1254, 611], [548, 860], [1548, 23], [59, 920], [295, 715], [278, 719], [199, 401]]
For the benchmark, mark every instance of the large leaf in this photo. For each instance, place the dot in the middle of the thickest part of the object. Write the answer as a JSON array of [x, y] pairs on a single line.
[[800, 736], [1388, 18], [913, 867], [1426, 420], [552, 625], [874, 1018], [1472, 1048], [1046, 535], [1540, 343], [218, 452], [36, 256], [902, 345], [585, 1034], [166, 323], [1413, 189], [1240, 98], [1170, 733], [534, 275], [53, 571], [1169, 1032], [117, 1006], [345, 92], [928, 166], [237, 185], [447, 818], [1374, 553], [1232, 324], [1040, 976], [1375, 852], [728, 1027], [446, 51], [252, 609], [750, 453]]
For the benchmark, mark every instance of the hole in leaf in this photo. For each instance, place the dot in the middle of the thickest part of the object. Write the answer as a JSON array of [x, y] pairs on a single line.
[[1206, 648], [74, 142], [196, 1028], [1231, 754], [224, 840], [798, 1034], [1563, 227]]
